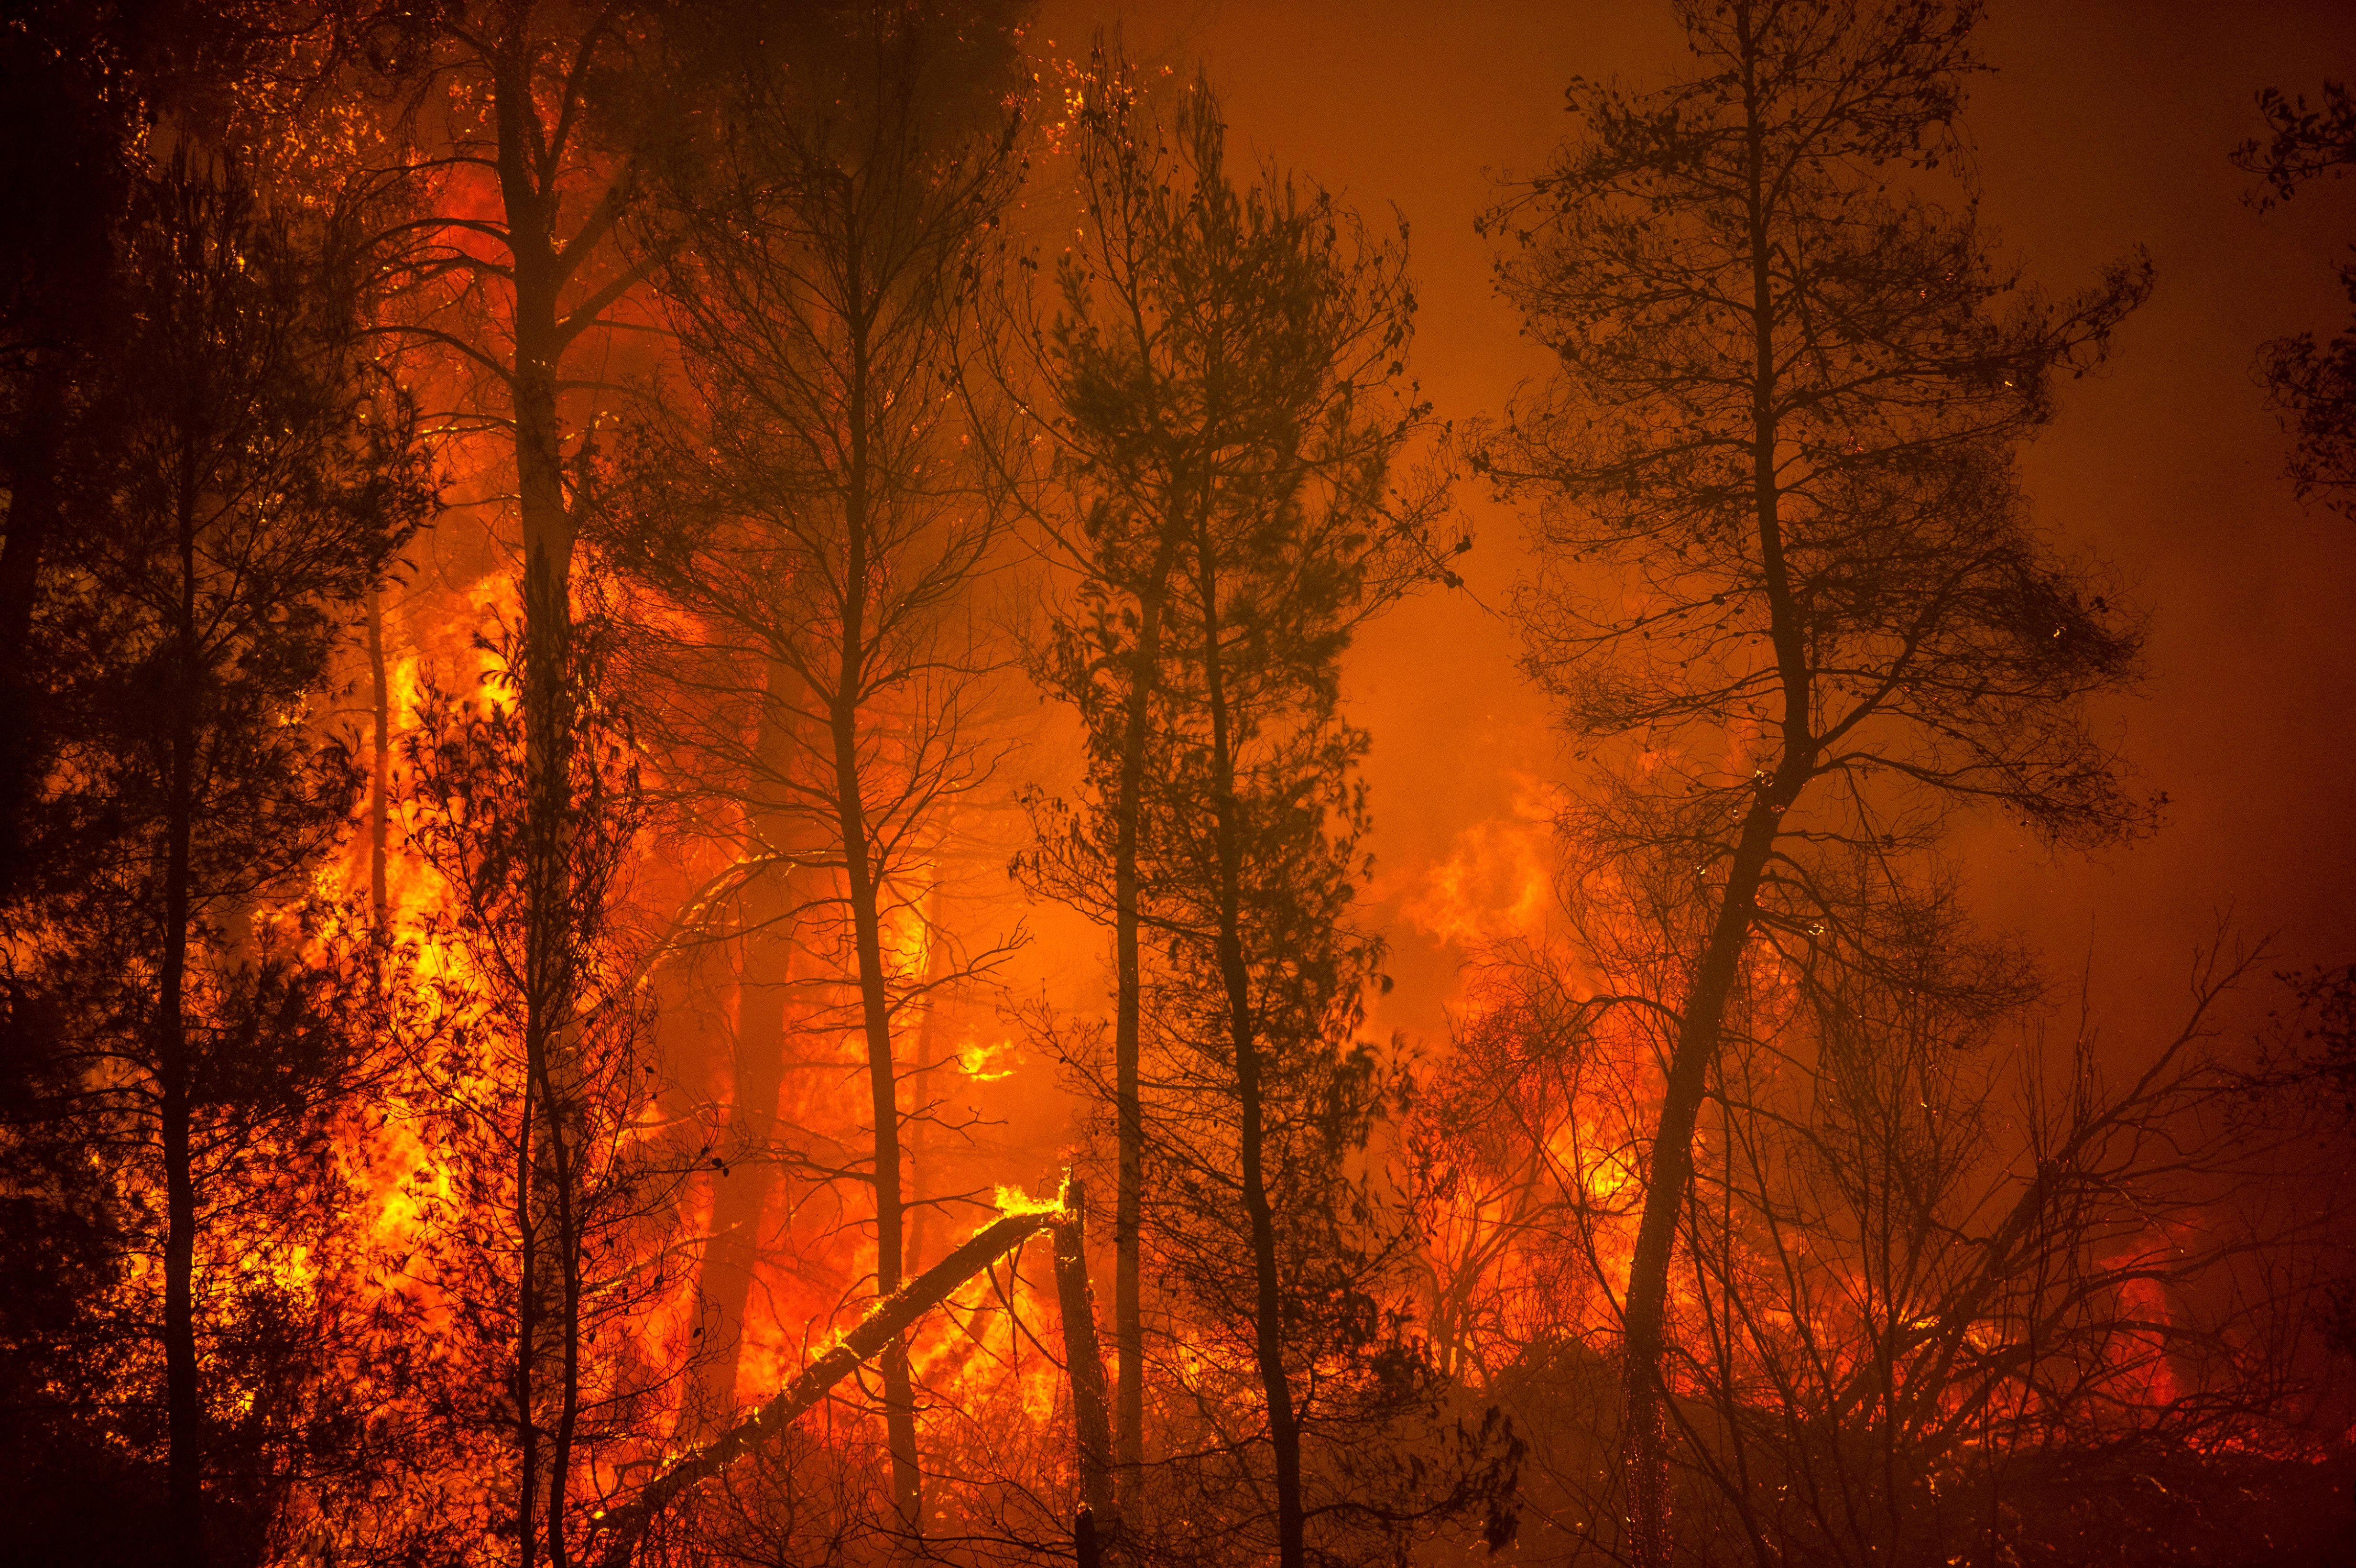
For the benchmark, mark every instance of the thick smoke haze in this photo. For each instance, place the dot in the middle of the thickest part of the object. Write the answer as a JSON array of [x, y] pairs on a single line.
[[2101, 127], [732, 732]]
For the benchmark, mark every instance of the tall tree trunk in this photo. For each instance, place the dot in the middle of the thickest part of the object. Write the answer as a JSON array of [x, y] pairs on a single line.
[[882, 1083], [1129, 1198], [528, 195], [1268, 1324], [521, 1379], [1644, 1440], [184, 1403], [860, 877], [766, 959], [380, 763], [1701, 1022]]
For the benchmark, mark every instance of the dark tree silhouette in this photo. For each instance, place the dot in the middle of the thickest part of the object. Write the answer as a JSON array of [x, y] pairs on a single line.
[[267, 478], [1786, 401], [820, 540], [2312, 385], [522, 136], [1223, 392], [67, 172]]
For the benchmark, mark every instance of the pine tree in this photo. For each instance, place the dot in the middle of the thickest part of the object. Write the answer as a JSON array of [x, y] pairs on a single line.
[[817, 540], [1226, 411], [269, 474], [1789, 389]]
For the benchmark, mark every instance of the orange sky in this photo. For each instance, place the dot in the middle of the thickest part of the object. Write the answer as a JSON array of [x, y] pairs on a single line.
[[2107, 126]]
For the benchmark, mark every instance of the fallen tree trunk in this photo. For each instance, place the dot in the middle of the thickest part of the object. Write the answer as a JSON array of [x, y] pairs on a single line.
[[623, 1527]]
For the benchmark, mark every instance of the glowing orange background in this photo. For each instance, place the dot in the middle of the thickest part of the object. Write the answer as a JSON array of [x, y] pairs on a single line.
[[2105, 124]]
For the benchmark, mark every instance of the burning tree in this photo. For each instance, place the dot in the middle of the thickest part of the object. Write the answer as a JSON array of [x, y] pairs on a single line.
[[519, 135], [1939, 1300], [815, 543], [392, 1201], [206, 1019], [1789, 390], [540, 1253]]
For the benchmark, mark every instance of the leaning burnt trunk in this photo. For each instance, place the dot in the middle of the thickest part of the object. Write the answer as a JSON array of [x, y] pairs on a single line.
[[887, 1323]]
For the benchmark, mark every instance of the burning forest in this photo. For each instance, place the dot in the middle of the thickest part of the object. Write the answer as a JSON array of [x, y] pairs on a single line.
[[761, 803]]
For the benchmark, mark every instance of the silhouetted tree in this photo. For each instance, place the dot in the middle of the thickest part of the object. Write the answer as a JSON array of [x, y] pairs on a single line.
[[1936, 1303], [267, 477], [1105, 652], [2314, 387], [523, 134], [818, 541], [544, 1245], [1786, 404], [67, 172], [1222, 385]]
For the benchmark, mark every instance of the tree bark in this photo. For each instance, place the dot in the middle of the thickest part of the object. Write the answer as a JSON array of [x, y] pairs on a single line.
[[522, 1382], [526, 173], [184, 1402], [1701, 1022], [379, 763], [1083, 1361], [1128, 1205], [1267, 1326], [885, 1324], [861, 885], [1644, 1443], [884, 1093]]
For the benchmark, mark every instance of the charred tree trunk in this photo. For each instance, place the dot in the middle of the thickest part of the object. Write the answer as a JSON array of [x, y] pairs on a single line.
[[1083, 1361], [863, 886], [562, 1187], [522, 1381], [1702, 1019], [1644, 1319], [884, 1091], [741, 1192], [1267, 1326], [526, 167], [1129, 1199], [379, 765], [183, 1402]]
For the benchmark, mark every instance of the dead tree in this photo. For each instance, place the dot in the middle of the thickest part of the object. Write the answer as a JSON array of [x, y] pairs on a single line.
[[885, 1323]]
